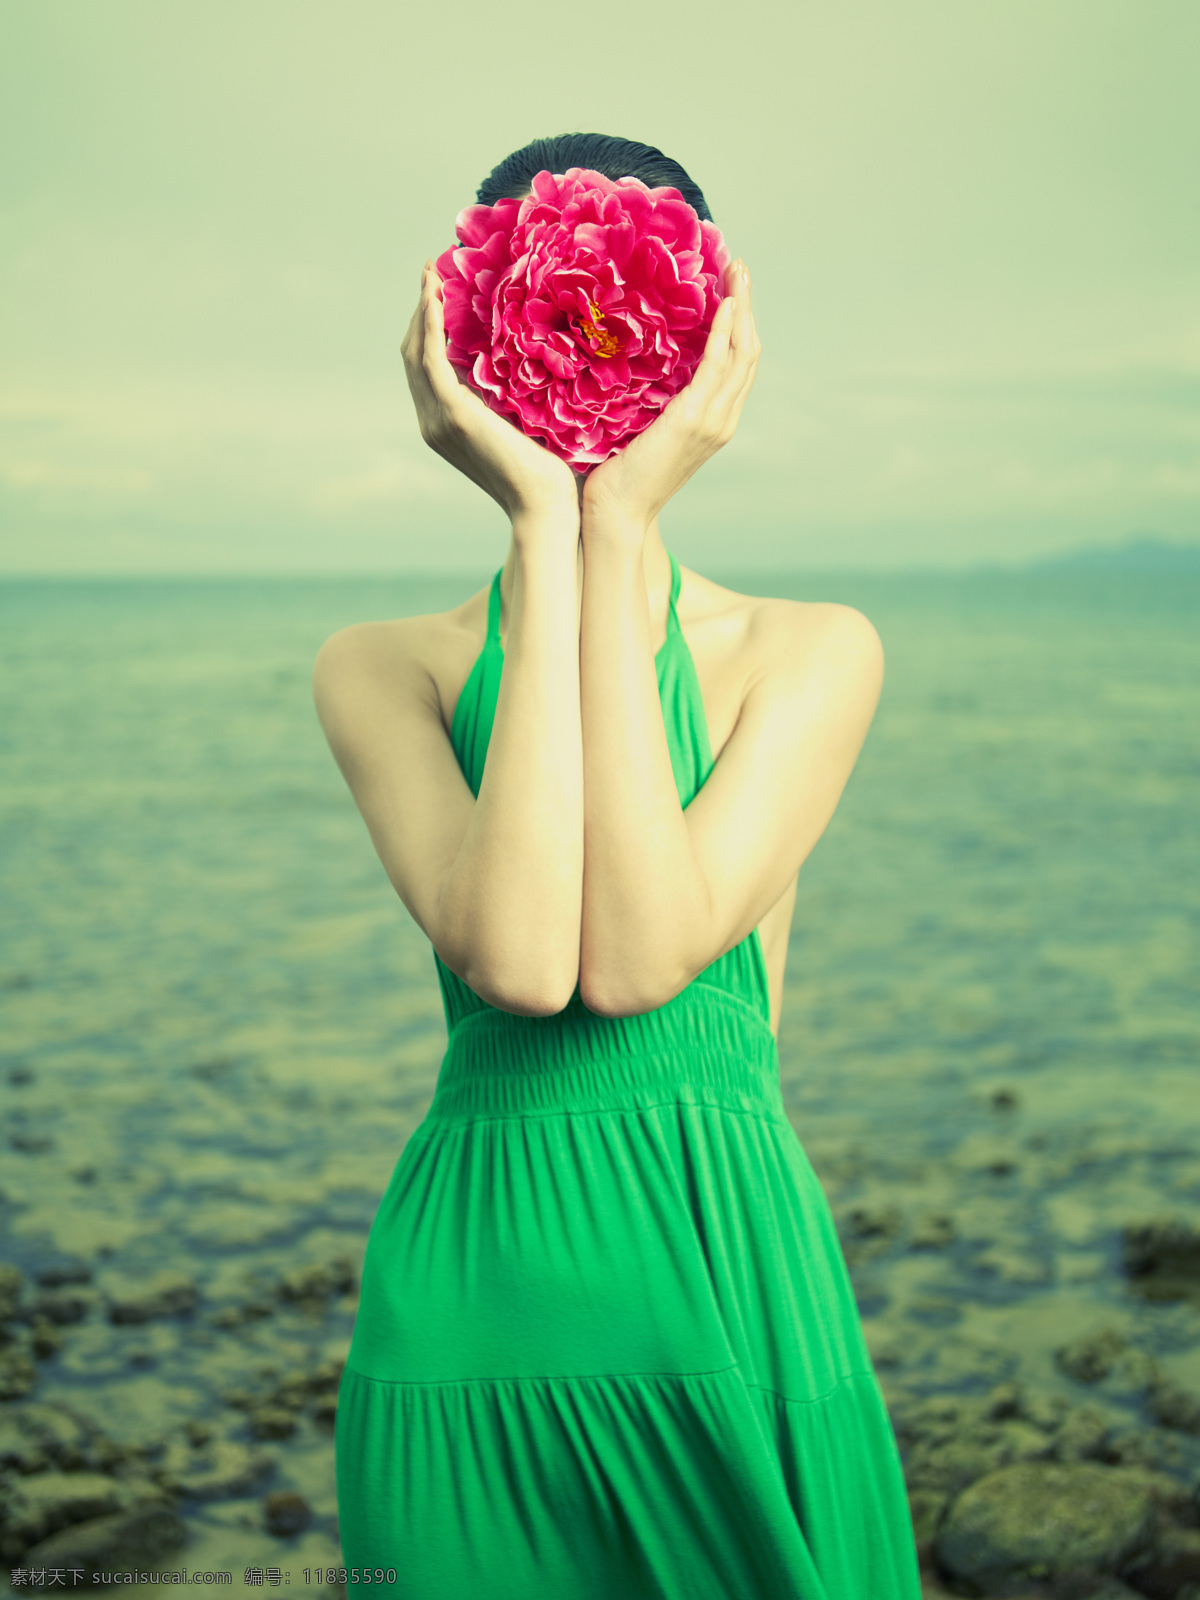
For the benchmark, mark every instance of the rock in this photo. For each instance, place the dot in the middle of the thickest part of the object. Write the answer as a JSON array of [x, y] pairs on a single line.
[[1039, 1521], [1083, 1434], [166, 1295], [326, 1375], [1045, 1411], [285, 1512], [292, 1392], [1174, 1407], [217, 1470], [39, 1505], [1005, 1098], [1162, 1258], [59, 1273], [972, 1452], [214, 1070], [31, 1143], [17, 1371], [1089, 1359], [324, 1410], [927, 1506], [1133, 1372], [45, 1339], [933, 1231], [867, 1231], [935, 1310], [272, 1422], [1150, 1448], [62, 1306], [36, 1435], [1173, 1499], [1004, 1401], [1174, 1563], [124, 1541], [10, 1290], [316, 1282], [871, 1222]]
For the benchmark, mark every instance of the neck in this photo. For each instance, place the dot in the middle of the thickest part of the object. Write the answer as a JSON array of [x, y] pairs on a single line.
[[656, 570]]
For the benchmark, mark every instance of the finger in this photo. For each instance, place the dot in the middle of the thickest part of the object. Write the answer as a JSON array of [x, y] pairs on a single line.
[[742, 332], [414, 339], [713, 362], [424, 399], [443, 379]]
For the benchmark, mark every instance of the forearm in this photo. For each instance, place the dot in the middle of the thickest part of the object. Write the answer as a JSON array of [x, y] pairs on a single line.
[[510, 904], [644, 896]]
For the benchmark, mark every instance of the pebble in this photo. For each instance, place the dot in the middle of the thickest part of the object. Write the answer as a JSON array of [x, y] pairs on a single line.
[[42, 1504], [1037, 1521], [167, 1294], [124, 1541], [286, 1512], [1162, 1258]]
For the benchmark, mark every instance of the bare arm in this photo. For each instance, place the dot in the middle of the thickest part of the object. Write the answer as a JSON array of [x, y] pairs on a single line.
[[495, 881], [667, 891]]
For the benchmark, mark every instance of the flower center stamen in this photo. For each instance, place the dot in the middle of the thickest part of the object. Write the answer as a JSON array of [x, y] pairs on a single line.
[[606, 343]]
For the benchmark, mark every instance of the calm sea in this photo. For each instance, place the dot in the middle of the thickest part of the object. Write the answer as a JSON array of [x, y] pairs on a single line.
[[218, 1025]]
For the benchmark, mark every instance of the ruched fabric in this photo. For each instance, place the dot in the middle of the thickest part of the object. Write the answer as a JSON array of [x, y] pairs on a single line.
[[607, 1345]]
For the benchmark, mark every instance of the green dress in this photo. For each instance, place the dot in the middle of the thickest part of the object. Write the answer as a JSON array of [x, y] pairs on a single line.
[[607, 1345]]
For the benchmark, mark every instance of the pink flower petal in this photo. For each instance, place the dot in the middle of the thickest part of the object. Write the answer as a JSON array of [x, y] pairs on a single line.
[[580, 311]]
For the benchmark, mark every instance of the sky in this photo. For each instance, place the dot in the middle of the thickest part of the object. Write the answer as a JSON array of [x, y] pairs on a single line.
[[973, 230]]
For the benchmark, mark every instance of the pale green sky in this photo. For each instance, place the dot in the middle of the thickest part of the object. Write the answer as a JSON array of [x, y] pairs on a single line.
[[974, 230]]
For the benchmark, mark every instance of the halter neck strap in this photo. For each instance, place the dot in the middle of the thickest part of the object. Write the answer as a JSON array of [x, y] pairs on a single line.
[[493, 620], [676, 583]]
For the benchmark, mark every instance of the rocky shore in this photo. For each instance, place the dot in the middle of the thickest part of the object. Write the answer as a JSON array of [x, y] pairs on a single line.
[[1086, 1487], [249, 1471]]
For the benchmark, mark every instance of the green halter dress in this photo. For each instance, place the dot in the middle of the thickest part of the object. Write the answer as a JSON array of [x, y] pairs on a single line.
[[606, 1346]]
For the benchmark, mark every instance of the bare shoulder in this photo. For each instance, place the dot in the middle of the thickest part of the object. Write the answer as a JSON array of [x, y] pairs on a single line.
[[772, 647], [426, 658]]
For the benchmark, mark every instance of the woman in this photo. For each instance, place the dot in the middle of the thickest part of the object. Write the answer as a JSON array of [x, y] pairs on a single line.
[[606, 1344]]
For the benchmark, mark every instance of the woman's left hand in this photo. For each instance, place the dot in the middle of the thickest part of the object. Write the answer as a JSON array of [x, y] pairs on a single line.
[[628, 491]]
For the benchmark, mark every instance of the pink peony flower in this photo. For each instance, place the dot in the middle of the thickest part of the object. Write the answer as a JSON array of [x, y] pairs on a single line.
[[578, 312]]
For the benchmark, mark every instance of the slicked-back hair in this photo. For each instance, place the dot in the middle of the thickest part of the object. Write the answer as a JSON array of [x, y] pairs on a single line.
[[600, 152]]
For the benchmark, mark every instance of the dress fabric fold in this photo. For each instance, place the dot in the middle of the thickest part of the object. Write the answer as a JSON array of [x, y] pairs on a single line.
[[607, 1345]]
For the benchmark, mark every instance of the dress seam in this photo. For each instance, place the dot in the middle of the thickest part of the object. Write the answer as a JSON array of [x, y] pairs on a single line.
[[812, 1400], [535, 1377], [611, 1377], [434, 1119]]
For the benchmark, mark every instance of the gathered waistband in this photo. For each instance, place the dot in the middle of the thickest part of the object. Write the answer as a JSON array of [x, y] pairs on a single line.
[[706, 1047]]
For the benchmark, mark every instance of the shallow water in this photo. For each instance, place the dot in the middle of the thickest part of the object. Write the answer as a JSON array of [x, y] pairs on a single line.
[[218, 1025]]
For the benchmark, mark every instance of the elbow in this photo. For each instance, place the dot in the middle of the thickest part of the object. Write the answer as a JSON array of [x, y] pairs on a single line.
[[529, 999], [534, 989], [621, 994]]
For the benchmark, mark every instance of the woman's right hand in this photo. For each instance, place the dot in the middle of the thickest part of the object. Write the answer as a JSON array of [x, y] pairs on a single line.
[[518, 473]]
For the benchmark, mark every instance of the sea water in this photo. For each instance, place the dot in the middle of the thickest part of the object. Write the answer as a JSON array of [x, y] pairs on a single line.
[[218, 1024]]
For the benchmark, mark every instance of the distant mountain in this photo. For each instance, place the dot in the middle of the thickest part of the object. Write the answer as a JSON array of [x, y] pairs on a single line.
[[1143, 553]]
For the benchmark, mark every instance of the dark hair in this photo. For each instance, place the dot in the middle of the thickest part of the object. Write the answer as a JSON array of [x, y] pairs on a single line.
[[615, 158]]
